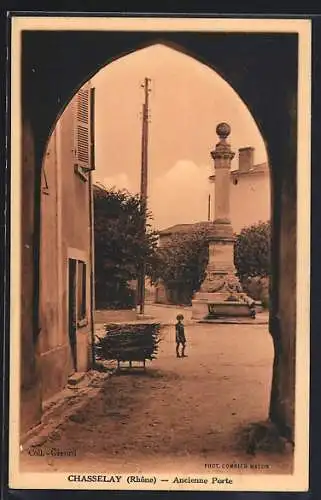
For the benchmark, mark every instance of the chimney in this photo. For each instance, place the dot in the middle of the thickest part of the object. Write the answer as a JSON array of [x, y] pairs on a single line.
[[246, 159]]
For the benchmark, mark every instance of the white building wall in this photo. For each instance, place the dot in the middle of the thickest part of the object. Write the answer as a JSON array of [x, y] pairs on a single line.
[[249, 199]]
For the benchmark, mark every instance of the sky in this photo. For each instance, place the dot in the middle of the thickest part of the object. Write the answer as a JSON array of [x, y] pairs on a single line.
[[187, 101]]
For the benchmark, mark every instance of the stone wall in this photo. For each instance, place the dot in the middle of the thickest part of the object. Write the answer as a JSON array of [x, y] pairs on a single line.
[[30, 396]]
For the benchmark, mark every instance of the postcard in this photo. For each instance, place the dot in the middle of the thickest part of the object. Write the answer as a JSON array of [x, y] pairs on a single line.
[[160, 242]]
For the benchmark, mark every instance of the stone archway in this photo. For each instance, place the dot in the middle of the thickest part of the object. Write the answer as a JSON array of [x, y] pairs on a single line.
[[252, 64]]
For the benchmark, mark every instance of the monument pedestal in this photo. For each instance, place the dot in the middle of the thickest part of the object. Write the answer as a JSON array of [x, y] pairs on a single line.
[[221, 292]]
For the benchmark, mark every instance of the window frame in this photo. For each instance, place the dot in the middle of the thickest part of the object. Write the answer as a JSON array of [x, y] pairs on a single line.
[[82, 294]]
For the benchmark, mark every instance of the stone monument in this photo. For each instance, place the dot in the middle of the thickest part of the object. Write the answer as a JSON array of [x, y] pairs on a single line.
[[221, 293]]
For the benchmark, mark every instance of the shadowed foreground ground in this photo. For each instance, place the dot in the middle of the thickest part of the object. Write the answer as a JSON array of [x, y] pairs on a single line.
[[179, 415]]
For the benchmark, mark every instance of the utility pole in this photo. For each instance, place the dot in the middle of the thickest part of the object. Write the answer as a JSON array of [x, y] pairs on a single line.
[[209, 208], [143, 185]]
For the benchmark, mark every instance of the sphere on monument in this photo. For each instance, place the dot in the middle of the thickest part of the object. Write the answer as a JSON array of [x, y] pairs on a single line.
[[223, 130]]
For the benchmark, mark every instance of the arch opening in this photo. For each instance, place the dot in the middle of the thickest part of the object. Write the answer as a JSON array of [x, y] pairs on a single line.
[[278, 191], [68, 236]]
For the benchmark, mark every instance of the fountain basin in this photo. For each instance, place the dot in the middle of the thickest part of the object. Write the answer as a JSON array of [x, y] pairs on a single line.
[[205, 309]]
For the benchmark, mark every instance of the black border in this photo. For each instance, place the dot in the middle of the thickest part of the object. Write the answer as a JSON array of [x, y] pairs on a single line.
[[83, 9], [315, 372], [5, 249]]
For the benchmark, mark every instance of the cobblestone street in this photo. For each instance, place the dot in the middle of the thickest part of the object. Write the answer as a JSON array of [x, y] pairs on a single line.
[[180, 415]]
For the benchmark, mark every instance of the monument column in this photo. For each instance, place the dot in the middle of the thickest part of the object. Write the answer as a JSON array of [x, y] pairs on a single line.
[[222, 156]]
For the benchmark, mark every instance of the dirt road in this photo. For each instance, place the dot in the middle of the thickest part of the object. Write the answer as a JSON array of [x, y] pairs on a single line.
[[181, 413]]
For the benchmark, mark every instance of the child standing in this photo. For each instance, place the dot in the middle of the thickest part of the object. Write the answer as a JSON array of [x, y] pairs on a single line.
[[180, 336]]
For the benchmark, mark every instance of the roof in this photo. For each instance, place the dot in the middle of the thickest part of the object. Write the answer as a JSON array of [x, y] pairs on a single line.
[[178, 228], [182, 228]]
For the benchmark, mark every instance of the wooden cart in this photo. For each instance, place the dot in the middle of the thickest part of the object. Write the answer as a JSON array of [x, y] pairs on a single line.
[[129, 344]]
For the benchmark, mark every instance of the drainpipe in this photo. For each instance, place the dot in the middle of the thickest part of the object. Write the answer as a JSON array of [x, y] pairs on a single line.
[[92, 270], [91, 223]]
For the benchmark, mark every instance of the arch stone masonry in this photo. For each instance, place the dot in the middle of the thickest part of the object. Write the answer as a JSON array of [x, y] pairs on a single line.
[[55, 64], [221, 292]]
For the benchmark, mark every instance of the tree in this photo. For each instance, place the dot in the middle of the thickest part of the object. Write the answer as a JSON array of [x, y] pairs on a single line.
[[121, 245], [252, 251], [252, 260], [181, 264]]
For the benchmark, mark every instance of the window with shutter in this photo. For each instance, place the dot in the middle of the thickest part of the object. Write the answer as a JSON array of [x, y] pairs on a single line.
[[83, 130]]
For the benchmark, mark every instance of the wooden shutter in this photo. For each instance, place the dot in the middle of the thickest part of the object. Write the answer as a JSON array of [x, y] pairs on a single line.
[[82, 129], [92, 128]]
